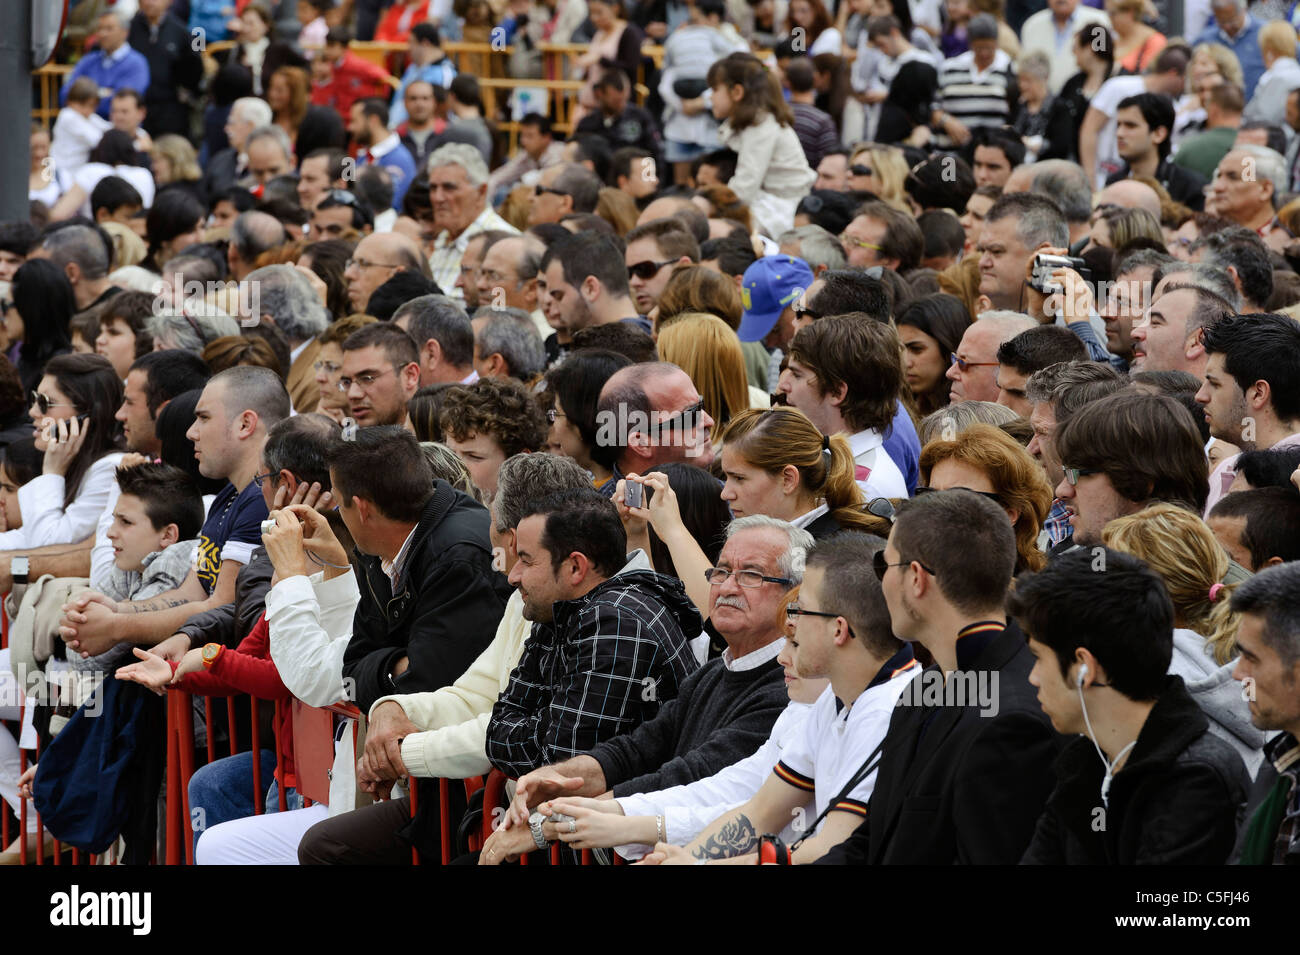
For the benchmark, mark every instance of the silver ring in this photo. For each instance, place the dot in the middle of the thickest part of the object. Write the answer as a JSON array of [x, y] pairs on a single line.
[[573, 825]]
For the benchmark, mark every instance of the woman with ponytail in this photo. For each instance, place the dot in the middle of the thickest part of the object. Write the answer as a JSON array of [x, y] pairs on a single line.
[[1183, 551]]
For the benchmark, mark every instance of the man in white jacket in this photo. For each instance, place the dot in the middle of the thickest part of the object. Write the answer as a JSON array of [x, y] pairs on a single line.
[[311, 623]]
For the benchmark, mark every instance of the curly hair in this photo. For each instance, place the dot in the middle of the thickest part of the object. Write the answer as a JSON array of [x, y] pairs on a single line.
[[500, 407], [1017, 479], [1178, 546]]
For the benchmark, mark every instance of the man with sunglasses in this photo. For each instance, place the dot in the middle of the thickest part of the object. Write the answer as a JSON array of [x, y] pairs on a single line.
[[654, 251], [723, 711], [562, 190], [583, 282], [650, 413], [966, 766]]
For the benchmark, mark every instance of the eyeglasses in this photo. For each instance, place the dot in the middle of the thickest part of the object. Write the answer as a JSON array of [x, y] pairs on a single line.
[[648, 269], [802, 313], [552, 414], [1073, 474], [686, 419], [363, 264], [859, 243], [963, 364], [44, 404], [881, 565], [329, 367], [259, 478], [935, 490], [342, 197], [365, 379], [749, 579], [539, 190]]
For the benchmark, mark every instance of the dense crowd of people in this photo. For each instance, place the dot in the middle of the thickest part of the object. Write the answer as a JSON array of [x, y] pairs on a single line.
[[864, 433]]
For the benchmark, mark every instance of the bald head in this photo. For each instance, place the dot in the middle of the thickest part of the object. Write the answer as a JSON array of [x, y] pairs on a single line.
[[1130, 194], [376, 259], [251, 234], [663, 208], [978, 350]]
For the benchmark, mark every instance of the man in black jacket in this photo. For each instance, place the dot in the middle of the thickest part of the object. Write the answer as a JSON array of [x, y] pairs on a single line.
[[175, 67], [430, 600], [723, 711], [1167, 791], [966, 766]]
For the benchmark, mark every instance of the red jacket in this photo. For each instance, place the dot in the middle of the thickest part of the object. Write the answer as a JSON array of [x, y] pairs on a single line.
[[390, 29], [248, 668], [354, 79]]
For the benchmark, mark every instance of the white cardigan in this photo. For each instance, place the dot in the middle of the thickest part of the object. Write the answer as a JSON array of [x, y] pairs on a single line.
[[46, 521], [770, 160]]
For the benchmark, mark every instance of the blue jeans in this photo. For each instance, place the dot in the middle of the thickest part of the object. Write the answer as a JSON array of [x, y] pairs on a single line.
[[223, 790]]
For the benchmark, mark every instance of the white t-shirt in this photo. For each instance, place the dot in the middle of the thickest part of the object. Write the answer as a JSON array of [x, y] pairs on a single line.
[[89, 176], [836, 742], [1107, 100]]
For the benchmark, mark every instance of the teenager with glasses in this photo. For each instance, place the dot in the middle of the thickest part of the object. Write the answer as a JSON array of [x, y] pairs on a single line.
[[72, 414], [380, 373], [984, 459]]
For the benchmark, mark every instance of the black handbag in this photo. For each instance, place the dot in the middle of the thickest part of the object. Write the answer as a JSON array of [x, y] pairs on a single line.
[[690, 88]]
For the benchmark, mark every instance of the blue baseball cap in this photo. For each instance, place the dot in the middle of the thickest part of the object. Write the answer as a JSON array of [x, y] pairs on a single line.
[[770, 286]]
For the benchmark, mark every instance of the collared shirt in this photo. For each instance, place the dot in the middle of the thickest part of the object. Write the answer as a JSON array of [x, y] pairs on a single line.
[[447, 252], [393, 568], [1222, 477], [838, 739], [874, 469], [385, 146], [470, 378], [754, 659], [803, 520], [1057, 522], [973, 638]]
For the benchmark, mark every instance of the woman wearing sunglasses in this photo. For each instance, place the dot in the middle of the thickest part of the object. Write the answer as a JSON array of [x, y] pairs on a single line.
[[986, 460], [72, 414]]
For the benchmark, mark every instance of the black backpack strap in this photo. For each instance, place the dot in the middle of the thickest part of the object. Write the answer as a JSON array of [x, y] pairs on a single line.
[[865, 770]]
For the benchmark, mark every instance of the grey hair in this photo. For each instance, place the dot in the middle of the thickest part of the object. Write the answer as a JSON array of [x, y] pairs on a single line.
[[172, 329], [1006, 317], [515, 341], [581, 185], [982, 26], [1274, 595], [254, 232], [192, 268], [525, 478], [1270, 165], [816, 246], [1069, 385], [463, 155], [1202, 275], [1035, 64], [954, 419], [252, 110], [287, 296], [1039, 220], [433, 316], [121, 16], [798, 542], [82, 244], [274, 133], [1066, 184]]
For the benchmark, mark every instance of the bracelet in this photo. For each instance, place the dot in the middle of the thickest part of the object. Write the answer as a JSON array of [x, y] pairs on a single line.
[[659, 829], [325, 563]]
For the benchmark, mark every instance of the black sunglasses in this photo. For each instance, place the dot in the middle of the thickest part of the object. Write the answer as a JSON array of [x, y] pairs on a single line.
[[540, 190], [648, 269], [800, 313], [342, 197], [686, 419], [881, 565], [861, 170], [882, 508]]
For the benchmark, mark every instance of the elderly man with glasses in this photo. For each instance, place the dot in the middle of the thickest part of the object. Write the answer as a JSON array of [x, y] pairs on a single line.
[[722, 713], [376, 259]]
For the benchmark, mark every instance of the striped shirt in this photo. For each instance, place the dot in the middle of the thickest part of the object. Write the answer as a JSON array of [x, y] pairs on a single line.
[[976, 97], [444, 263]]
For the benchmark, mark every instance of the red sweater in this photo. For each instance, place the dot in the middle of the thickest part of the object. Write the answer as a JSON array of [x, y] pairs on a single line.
[[354, 79], [396, 25], [249, 669]]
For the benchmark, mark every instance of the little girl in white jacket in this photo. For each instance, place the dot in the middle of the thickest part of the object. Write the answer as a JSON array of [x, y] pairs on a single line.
[[772, 172]]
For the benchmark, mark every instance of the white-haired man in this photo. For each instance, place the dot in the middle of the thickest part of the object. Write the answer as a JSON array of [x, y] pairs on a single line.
[[230, 165], [1245, 189], [285, 298], [458, 189]]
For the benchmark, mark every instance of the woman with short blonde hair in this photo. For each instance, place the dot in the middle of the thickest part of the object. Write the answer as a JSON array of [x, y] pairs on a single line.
[[887, 171], [174, 160]]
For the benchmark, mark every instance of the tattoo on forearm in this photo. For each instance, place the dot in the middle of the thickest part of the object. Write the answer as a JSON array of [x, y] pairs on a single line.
[[736, 837], [158, 603]]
